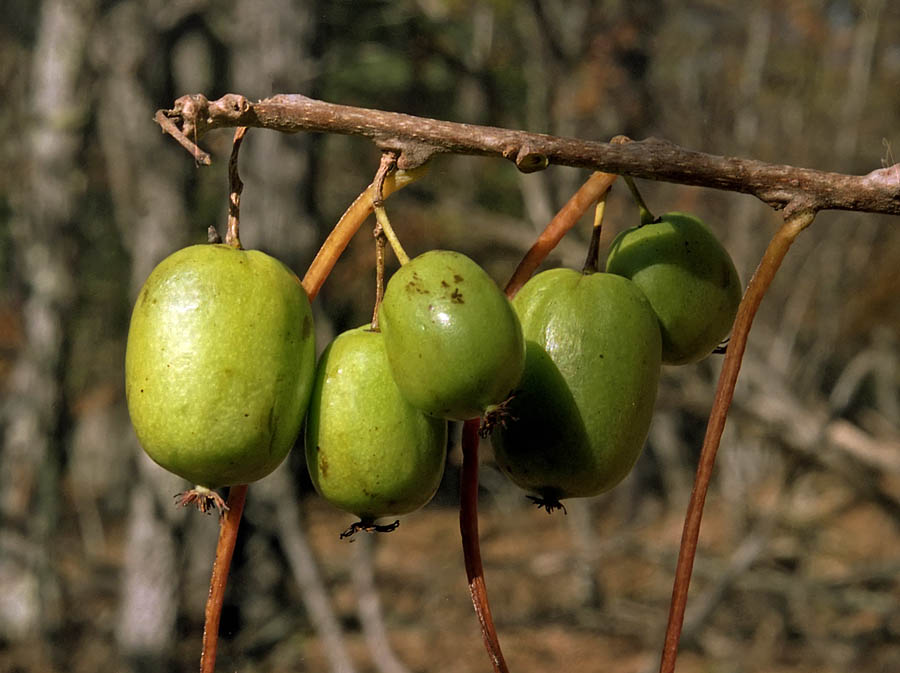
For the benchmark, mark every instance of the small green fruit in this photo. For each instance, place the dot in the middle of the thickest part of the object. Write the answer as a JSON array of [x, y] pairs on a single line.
[[453, 341], [219, 364], [689, 279], [581, 414], [369, 452]]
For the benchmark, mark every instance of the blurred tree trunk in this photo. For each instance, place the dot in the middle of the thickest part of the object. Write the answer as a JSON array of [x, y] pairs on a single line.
[[33, 413], [272, 41], [145, 177], [371, 616]]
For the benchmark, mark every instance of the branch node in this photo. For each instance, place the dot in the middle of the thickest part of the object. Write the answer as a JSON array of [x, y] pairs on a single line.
[[799, 205], [529, 160], [409, 154], [886, 178], [231, 106], [194, 113]]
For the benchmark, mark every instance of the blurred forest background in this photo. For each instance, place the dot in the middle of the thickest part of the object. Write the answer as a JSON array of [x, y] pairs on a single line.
[[800, 548]]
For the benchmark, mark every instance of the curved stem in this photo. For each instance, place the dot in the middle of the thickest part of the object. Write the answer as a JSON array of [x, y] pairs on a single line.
[[388, 162], [756, 289], [593, 188], [468, 526], [348, 225], [232, 235], [229, 523]]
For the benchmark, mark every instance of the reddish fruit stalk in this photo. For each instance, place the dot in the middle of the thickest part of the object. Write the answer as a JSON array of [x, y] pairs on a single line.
[[592, 190], [756, 289], [468, 526], [228, 530]]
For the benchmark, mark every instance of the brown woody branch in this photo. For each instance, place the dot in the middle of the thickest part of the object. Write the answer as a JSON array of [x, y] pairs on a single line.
[[416, 139]]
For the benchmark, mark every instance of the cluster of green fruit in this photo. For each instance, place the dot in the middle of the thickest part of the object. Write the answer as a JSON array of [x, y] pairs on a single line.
[[595, 345], [220, 369]]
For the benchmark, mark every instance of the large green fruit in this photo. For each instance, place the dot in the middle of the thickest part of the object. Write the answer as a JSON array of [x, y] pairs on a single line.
[[369, 452], [453, 341], [580, 416], [689, 279], [219, 364]]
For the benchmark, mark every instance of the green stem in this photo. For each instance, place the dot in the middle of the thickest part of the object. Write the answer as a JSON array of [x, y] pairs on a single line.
[[382, 219], [646, 216]]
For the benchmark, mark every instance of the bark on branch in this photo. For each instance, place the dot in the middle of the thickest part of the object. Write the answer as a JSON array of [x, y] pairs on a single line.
[[416, 139]]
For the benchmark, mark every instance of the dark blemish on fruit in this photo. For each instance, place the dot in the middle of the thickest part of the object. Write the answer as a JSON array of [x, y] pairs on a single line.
[[457, 278], [416, 286], [246, 415], [444, 283], [271, 423], [457, 297]]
